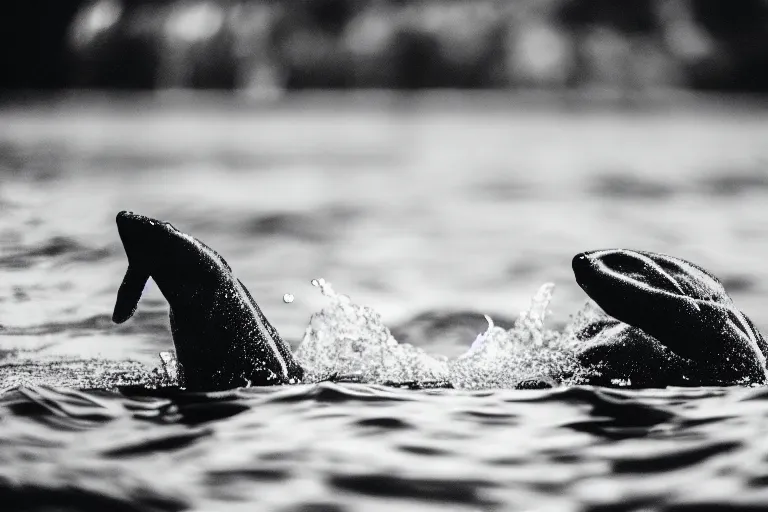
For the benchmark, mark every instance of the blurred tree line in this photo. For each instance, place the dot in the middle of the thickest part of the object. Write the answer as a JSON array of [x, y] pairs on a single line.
[[274, 45]]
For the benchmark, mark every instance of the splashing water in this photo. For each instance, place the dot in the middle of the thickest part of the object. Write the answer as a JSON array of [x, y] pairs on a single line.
[[502, 358], [349, 339]]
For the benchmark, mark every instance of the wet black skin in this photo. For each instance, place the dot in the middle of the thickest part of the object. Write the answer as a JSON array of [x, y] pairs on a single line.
[[682, 327], [222, 339], [615, 350]]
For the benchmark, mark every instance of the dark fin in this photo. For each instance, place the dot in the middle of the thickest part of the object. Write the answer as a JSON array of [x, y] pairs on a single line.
[[761, 343], [129, 294], [295, 371], [172, 321], [180, 379], [221, 260], [282, 347]]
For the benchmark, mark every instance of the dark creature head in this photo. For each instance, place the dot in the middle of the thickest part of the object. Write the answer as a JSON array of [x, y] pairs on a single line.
[[679, 304]]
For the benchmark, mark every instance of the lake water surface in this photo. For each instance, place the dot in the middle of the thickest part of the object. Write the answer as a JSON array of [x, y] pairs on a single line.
[[420, 209]]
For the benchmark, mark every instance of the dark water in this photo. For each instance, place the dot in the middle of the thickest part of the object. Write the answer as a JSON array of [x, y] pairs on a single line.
[[364, 447], [422, 211]]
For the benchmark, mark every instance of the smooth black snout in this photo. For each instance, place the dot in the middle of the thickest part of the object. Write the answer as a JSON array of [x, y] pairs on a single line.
[[582, 265], [126, 219]]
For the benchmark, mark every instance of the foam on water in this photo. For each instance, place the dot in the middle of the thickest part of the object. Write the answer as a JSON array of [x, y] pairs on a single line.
[[351, 340], [348, 339], [502, 358]]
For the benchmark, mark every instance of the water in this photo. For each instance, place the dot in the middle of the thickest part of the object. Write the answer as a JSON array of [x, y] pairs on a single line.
[[429, 213]]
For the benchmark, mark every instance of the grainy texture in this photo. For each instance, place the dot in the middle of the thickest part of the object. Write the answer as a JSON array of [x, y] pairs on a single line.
[[415, 208]]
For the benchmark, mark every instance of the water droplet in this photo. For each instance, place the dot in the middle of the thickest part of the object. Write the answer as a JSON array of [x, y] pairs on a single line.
[[288, 298], [315, 283]]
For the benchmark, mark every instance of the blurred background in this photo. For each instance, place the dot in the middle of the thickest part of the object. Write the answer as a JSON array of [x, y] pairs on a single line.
[[434, 160], [268, 46], [425, 156]]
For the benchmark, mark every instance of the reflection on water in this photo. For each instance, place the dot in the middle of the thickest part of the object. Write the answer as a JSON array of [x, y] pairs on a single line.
[[432, 215]]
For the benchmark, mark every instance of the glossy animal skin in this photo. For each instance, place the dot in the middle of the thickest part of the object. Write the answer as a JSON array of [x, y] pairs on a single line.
[[677, 304], [222, 339]]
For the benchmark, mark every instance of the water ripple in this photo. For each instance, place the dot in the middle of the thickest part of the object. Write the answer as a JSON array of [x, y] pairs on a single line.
[[156, 443], [56, 250], [39, 498], [458, 448], [434, 489]]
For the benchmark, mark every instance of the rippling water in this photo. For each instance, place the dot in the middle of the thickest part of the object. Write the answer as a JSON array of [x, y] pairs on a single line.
[[430, 213], [364, 447]]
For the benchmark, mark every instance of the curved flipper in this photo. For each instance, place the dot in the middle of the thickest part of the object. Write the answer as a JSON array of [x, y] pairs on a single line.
[[222, 338], [129, 294]]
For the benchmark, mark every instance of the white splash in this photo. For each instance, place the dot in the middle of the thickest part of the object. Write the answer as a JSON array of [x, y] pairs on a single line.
[[351, 340], [503, 358]]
